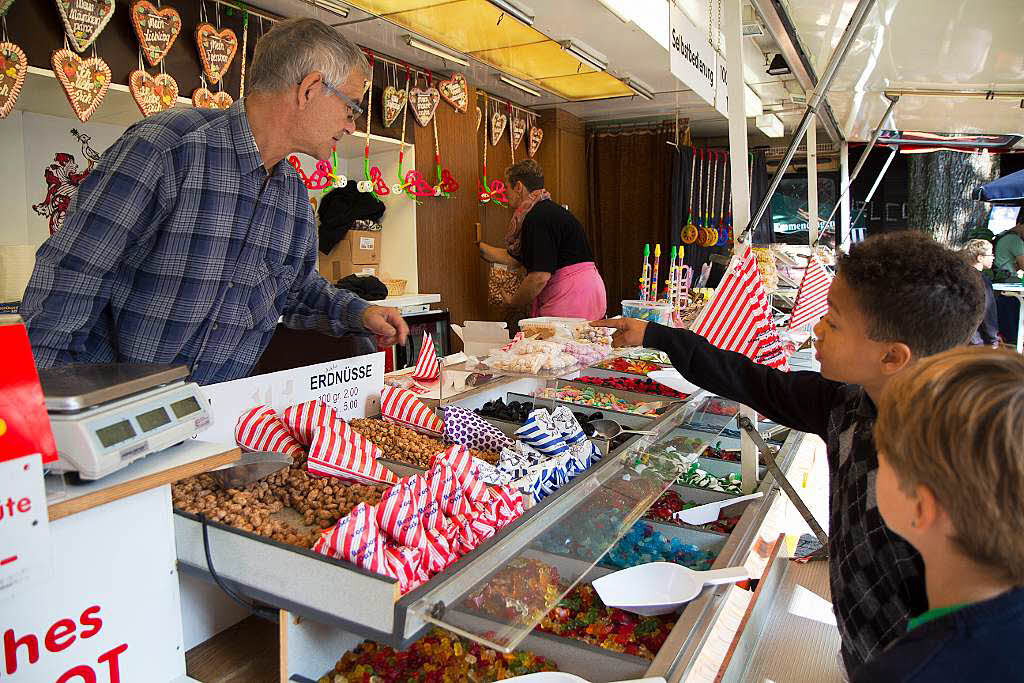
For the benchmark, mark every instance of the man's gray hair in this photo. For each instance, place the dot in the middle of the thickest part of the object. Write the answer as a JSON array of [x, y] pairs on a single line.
[[294, 48]]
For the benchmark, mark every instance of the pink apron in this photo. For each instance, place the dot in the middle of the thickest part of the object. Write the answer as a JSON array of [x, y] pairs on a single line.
[[576, 291]]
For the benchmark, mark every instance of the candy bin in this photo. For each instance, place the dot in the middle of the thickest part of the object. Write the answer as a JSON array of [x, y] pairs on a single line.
[[651, 311]]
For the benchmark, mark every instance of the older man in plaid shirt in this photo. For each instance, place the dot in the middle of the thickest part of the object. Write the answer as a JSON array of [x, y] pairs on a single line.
[[193, 235]]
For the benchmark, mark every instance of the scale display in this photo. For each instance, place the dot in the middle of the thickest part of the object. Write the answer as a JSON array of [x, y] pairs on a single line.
[[115, 433]]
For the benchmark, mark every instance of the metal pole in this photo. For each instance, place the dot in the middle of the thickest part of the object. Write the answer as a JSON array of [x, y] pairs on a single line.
[[878, 181], [814, 101], [864, 157], [812, 184], [843, 228]]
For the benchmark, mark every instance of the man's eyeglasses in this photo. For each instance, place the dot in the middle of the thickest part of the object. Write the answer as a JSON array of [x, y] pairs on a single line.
[[356, 107]]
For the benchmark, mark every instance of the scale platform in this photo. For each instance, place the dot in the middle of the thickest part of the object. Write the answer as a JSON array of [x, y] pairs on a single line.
[[106, 416]]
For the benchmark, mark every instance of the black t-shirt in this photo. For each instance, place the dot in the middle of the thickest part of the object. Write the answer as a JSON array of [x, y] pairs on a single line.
[[552, 238]]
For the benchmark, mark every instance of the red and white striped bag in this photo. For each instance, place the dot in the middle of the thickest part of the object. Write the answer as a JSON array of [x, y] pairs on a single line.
[[260, 429], [405, 564], [402, 406], [446, 489], [304, 418], [399, 512], [427, 366], [356, 538], [330, 455], [462, 461]]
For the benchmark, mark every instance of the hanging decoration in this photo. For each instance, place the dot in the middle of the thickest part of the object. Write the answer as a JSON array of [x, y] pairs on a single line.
[[156, 28], [723, 222], [85, 81], [708, 235], [5, 5], [84, 20], [536, 136], [518, 129], [479, 116], [498, 123], [394, 100], [318, 180], [691, 232], [379, 187], [494, 190], [689, 229], [204, 99], [413, 182], [153, 94], [13, 69], [455, 92], [245, 43], [217, 47], [446, 183], [424, 102]]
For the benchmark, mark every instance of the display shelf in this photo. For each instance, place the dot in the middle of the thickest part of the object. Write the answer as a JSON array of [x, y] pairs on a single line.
[[168, 466], [412, 300]]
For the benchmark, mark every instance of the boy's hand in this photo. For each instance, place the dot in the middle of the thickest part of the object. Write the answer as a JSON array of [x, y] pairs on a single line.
[[629, 331]]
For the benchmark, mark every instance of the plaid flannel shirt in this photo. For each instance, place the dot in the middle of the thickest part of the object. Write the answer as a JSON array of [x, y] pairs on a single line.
[[876, 577], [180, 248]]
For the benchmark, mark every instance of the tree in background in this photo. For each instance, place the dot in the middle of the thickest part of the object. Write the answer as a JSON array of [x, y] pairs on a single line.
[[939, 187]]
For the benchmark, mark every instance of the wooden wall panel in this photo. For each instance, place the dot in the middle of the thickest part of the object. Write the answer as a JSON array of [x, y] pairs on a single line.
[[562, 155]]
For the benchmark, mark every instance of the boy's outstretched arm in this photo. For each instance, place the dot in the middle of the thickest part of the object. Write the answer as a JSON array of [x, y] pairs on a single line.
[[801, 400]]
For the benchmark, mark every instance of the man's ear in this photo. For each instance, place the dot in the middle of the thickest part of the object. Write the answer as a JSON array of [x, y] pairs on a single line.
[[307, 88], [896, 358]]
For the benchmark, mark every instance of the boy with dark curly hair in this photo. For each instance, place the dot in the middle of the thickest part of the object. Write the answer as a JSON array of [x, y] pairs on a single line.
[[896, 298]]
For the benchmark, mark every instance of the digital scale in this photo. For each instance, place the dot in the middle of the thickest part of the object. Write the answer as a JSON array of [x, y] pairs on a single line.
[[106, 416]]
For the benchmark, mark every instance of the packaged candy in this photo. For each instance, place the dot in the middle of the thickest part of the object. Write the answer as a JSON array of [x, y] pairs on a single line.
[[356, 539], [584, 452], [466, 468], [427, 366], [513, 462], [509, 504], [331, 455], [400, 511], [438, 553], [446, 488], [465, 427], [540, 433], [302, 419], [403, 563], [402, 406], [260, 429]]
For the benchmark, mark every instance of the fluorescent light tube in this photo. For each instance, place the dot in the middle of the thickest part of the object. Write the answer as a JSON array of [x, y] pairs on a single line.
[[585, 54], [641, 89], [516, 10], [520, 86], [770, 125], [333, 6], [412, 41]]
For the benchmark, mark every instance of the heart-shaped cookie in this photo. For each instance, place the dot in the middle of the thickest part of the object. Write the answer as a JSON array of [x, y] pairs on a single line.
[[4, 4], [153, 94], [498, 123], [85, 81], [13, 67], [424, 104], [204, 99], [216, 50], [536, 135], [156, 28], [518, 130], [479, 117], [455, 92], [394, 99], [84, 20]]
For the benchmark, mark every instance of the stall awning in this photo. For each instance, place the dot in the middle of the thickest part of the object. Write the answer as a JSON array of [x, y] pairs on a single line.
[[1008, 190]]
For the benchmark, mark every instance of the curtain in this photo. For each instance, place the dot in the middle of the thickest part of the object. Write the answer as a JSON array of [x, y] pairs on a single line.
[[763, 232], [630, 173]]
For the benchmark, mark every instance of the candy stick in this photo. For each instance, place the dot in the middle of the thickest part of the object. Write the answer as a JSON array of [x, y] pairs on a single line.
[[654, 272], [645, 272], [670, 283]]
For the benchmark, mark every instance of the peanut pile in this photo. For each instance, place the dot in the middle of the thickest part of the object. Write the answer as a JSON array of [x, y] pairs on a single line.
[[502, 281], [320, 502], [406, 445]]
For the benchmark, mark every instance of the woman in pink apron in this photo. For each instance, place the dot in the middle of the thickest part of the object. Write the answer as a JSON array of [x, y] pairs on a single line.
[[561, 278]]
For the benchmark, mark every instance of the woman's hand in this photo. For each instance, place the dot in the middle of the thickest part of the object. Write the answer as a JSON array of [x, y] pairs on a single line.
[[628, 331]]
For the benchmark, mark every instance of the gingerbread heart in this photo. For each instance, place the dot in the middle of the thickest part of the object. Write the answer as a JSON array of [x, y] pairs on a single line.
[[518, 130], [394, 100], [216, 50], [13, 67], [536, 135], [204, 99], [153, 94], [498, 123], [156, 28], [4, 4], [84, 20], [479, 116], [424, 104], [85, 81], [455, 92]]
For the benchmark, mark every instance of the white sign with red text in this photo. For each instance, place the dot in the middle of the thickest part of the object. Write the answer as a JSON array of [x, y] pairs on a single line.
[[24, 525]]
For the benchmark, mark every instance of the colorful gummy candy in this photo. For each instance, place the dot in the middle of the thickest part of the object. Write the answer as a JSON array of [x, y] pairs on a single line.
[[438, 657], [702, 479], [651, 355], [636, 367], [640, 386], [671, 503], [643, 544], [596, 399]]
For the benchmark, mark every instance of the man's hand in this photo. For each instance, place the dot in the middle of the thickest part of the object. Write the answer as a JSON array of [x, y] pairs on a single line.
[[387, 324], [629, 331]]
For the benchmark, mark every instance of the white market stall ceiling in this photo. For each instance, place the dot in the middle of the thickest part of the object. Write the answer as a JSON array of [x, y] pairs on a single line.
[[920, 45]]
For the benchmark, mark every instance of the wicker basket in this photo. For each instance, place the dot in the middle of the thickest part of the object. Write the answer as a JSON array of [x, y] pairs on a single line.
[[395, 287]]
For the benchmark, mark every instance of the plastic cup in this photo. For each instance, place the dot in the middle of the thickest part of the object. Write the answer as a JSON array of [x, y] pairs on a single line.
[[647, 310]]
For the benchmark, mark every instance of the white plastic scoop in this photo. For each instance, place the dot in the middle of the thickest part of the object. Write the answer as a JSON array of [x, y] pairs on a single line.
[[660, 587], [561, 677], [704, 514], [673, 380]]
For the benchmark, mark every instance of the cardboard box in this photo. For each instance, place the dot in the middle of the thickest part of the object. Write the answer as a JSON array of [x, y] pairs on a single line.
[[358, 253], [479, 337]]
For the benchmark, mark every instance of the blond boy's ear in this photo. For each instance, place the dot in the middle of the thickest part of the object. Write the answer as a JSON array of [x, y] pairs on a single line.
[[897, 357]]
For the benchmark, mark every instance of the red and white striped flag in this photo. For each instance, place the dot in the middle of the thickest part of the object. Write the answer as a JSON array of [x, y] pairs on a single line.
[[427, 366], [738, 317], [812, 297]]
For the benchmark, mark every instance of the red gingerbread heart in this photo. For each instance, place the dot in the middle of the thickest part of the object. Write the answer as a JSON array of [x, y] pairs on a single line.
[[84, 20], [85, 81], [13, 68], [216, 50], [455, 92], [204, 99], [153, 94], [156, 28]]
